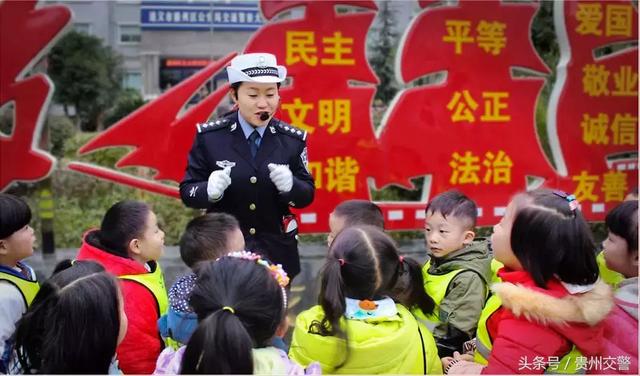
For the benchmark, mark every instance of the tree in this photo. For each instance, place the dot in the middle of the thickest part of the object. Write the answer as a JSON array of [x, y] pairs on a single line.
[[128, 101], [87, 75], [382, 47]]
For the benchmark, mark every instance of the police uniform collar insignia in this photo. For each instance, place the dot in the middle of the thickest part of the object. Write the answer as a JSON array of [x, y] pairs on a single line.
[[213, 125], [225, 164], [291, 130], [272, 129], [234, 126]]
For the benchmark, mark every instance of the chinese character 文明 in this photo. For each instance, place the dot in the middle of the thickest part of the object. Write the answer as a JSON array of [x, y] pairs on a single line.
[[336, 114], [298, 114]]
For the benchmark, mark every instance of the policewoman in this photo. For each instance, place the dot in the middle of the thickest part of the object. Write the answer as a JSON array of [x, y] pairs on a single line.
[[252, 165]]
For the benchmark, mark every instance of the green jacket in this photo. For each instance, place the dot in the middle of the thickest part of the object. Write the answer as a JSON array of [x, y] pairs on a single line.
[[460, 308], [389, 345]]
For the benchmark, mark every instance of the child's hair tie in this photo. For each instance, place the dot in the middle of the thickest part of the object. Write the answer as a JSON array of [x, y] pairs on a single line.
[[571, 199], [230, 309], [275, 270], [341, 261], [401, 258]]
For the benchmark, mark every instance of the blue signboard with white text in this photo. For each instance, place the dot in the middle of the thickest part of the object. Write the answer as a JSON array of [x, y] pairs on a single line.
[[200, 15]]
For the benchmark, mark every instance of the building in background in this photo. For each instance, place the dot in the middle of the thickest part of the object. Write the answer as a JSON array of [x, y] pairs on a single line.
[[162, 42]]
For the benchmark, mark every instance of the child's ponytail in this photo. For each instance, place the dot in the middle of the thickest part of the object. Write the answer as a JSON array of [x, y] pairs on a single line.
[[409, 289], [220, 345], [332, 298], [240, 302]]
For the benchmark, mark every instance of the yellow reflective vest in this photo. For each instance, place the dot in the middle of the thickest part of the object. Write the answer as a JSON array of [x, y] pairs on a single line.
[[28, 289], [154, 282]]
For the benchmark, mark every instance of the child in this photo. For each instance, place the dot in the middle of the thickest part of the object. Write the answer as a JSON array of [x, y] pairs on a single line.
[[621, 255], [74, 324], [552, 303], [360, 325], [207, 237], [241, 303], [18, 284], [128, 244], [458, 271], [353, 213]]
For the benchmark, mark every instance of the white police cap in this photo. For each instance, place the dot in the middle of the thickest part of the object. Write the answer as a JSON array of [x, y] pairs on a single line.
[[256, 67]]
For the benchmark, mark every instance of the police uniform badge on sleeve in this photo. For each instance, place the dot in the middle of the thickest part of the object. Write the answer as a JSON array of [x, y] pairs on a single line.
[[225, 164], [305, 159]]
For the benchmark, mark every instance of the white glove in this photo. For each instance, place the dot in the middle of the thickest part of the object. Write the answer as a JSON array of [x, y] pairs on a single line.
[[281, 176], [219, 180]]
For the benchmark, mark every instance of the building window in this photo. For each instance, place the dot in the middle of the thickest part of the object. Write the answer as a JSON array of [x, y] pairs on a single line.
[[129, 34], [132, 80], [82, 27]]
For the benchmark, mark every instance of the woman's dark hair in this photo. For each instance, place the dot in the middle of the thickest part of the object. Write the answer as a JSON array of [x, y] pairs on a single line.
[[551, 237], [623, 221], [73, 323], [363, 263], [123, 222], [224, 338], [14, 214]]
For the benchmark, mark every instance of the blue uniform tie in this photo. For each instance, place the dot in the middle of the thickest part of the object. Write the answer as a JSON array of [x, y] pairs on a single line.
[[254, 142]]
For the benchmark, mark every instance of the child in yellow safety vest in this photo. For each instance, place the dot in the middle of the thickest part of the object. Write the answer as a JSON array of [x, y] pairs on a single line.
[[458, 272], [129, 244], [363, 323], [18, 283]]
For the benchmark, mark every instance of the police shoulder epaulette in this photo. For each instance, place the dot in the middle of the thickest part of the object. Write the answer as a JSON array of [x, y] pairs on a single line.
[[213, 125], [292, 131]]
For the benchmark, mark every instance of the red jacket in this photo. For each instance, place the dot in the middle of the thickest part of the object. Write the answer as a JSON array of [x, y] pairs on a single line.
[[142, 344], [536, 322]]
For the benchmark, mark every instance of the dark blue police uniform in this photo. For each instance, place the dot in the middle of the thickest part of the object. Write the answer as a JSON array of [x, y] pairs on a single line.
[[252, 197]]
